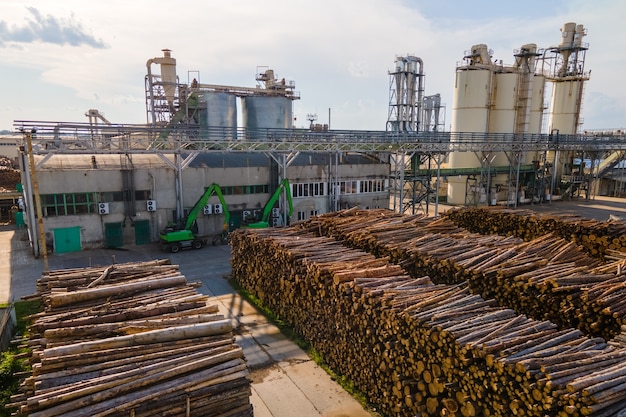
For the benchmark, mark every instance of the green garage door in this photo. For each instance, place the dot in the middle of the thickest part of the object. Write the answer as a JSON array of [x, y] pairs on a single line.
[[142, 232], [113, 237], [67, 239]]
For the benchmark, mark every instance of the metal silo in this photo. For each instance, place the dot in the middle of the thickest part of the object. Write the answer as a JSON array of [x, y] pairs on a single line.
[[470, 113], [218, 115], [503, 113], [565, 106], [568, 80], [265, 112], [537, 105]]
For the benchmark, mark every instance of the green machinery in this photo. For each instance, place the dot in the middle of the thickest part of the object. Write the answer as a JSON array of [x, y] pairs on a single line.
[[264, 221], [176, 239]]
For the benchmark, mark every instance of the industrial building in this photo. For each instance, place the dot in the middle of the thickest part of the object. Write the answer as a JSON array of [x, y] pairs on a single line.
[[102, 184], [94, 200]]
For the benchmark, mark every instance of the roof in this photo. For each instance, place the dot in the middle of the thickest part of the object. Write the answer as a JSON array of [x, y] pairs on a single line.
[[202, 160]]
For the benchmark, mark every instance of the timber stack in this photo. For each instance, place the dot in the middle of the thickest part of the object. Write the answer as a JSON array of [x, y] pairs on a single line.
[[416, 345], [131, 339], [547, 278], [597, 237]]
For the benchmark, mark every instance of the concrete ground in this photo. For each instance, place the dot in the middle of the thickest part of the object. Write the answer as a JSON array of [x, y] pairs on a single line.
[[285, 381]]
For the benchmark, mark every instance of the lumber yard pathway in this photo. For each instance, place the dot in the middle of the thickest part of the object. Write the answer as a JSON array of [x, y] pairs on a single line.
[[285, 381]]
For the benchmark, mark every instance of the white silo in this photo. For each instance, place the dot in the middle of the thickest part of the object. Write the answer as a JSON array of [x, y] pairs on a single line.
[[568, 76], [565, 106], [568, 80], [470, 113], [499, 101], [502, 115], [537, 106]]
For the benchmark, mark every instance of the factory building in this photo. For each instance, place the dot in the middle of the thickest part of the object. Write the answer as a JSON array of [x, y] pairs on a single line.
[[107, 185], [88, 202]]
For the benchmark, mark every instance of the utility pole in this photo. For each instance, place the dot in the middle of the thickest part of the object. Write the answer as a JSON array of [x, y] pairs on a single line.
[[33, 175]]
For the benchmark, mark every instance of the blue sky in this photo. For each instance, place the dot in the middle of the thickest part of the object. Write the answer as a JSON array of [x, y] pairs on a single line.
[[61, 58]]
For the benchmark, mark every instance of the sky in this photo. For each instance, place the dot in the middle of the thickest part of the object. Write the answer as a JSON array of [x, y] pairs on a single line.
[[61, 58]]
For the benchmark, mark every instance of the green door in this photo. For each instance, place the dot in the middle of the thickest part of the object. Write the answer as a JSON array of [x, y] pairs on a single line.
[[142, 232], [113, 237], [67, 239]]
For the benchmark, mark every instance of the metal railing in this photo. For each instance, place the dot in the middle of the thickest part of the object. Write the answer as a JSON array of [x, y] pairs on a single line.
[[57, 137]]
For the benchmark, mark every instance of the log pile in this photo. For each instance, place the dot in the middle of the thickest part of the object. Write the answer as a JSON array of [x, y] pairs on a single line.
[[597, 237], [416, 347], [547, 278], [9, 174], [131, 339]]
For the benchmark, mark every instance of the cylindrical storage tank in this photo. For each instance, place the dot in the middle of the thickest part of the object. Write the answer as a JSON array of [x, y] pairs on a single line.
[[535, 121], [537, 105], [470, 113], [503, 112], [218, 115], [265, 112], [564, 106]]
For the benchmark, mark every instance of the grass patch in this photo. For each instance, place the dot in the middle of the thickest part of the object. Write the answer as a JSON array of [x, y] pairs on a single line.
[[316, 356], [10, 364]]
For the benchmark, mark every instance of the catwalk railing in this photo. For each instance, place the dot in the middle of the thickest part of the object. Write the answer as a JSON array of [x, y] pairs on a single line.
[[56, 137]]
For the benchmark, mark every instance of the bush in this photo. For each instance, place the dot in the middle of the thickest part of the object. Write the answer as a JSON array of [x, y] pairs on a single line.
[[9, 363], [9, 383]]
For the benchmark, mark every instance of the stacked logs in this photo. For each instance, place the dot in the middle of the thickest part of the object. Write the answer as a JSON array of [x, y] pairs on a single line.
[[131, 339], [419, 348], [597, 237], [547, 278]]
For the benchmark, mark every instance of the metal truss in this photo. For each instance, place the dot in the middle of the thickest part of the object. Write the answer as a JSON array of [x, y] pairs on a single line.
[[411, 190], [83, 138]]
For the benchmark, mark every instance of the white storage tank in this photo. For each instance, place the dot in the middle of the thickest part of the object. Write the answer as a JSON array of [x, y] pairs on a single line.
[[537, 108], [470, 113], [565, 105], [502, 116]]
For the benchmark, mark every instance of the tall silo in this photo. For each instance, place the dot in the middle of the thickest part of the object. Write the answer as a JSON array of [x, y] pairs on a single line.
[[261, 112], [568, 76], [568, 79], [537, 107], [270, 106], [502, 102], [470, 113], [503, 111], [218, 115]]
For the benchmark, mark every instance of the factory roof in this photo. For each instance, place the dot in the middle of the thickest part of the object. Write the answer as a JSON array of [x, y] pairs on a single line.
[[202, 160]]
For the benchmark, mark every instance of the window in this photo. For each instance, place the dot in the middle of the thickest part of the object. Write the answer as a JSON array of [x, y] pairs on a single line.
[[372, 186], [311, 189], [246, 189], [69, 204], [348, 187]]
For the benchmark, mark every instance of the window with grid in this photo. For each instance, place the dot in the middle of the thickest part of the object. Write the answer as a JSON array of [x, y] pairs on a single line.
[[69, 204]]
